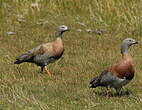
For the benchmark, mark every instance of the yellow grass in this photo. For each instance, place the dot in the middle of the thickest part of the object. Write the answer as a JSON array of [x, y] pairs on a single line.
[[22, 87]]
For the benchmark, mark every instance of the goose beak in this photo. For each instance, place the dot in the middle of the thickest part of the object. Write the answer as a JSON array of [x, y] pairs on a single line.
[[136, 42]]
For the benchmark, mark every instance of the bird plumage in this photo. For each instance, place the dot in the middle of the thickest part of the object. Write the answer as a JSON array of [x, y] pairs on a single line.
[[46, 53], [119, 74]]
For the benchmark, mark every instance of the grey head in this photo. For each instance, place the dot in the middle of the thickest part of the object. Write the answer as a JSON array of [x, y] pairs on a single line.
[[61, 29], [126, 44]]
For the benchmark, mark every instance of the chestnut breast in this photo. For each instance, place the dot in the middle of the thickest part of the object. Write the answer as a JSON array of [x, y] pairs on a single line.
[[124, 68], [58, 48]]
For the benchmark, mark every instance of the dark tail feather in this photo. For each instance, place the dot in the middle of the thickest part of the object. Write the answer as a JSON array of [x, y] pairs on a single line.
[[23, 58], [18, 62], [94, 82], [93, 86]]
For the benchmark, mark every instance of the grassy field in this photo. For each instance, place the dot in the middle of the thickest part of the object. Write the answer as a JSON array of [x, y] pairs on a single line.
[[34, 22]]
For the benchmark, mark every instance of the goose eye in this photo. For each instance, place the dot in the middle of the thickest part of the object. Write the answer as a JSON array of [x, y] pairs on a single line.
[[63, 27]]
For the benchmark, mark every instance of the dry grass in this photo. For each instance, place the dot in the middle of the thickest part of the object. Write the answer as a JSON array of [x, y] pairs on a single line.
[[22, 87]]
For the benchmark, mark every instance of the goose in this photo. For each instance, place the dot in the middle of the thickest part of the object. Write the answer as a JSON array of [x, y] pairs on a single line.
[[45, 54], [119, 74]]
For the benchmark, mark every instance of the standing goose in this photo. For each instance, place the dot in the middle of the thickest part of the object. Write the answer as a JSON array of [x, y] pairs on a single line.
[[46, 53], [118, 74]]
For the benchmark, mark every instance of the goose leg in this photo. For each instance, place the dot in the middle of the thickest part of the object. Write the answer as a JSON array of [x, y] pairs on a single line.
[[47, 71], [107, 92], [118, 91], [42, 69]]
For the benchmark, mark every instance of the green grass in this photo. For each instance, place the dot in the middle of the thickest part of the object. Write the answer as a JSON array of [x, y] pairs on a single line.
[[22, 87]]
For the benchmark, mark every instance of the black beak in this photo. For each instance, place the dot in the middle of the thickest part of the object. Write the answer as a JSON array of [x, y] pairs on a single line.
[[136, 42]]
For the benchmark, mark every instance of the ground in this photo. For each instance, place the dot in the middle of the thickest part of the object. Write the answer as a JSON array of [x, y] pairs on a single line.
[[25, 24]]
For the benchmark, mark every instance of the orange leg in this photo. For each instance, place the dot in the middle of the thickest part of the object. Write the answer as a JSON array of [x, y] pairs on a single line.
[[107, 92], [47, 71]]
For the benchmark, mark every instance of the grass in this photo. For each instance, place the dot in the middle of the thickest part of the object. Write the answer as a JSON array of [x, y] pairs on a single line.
[[22, 87]]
